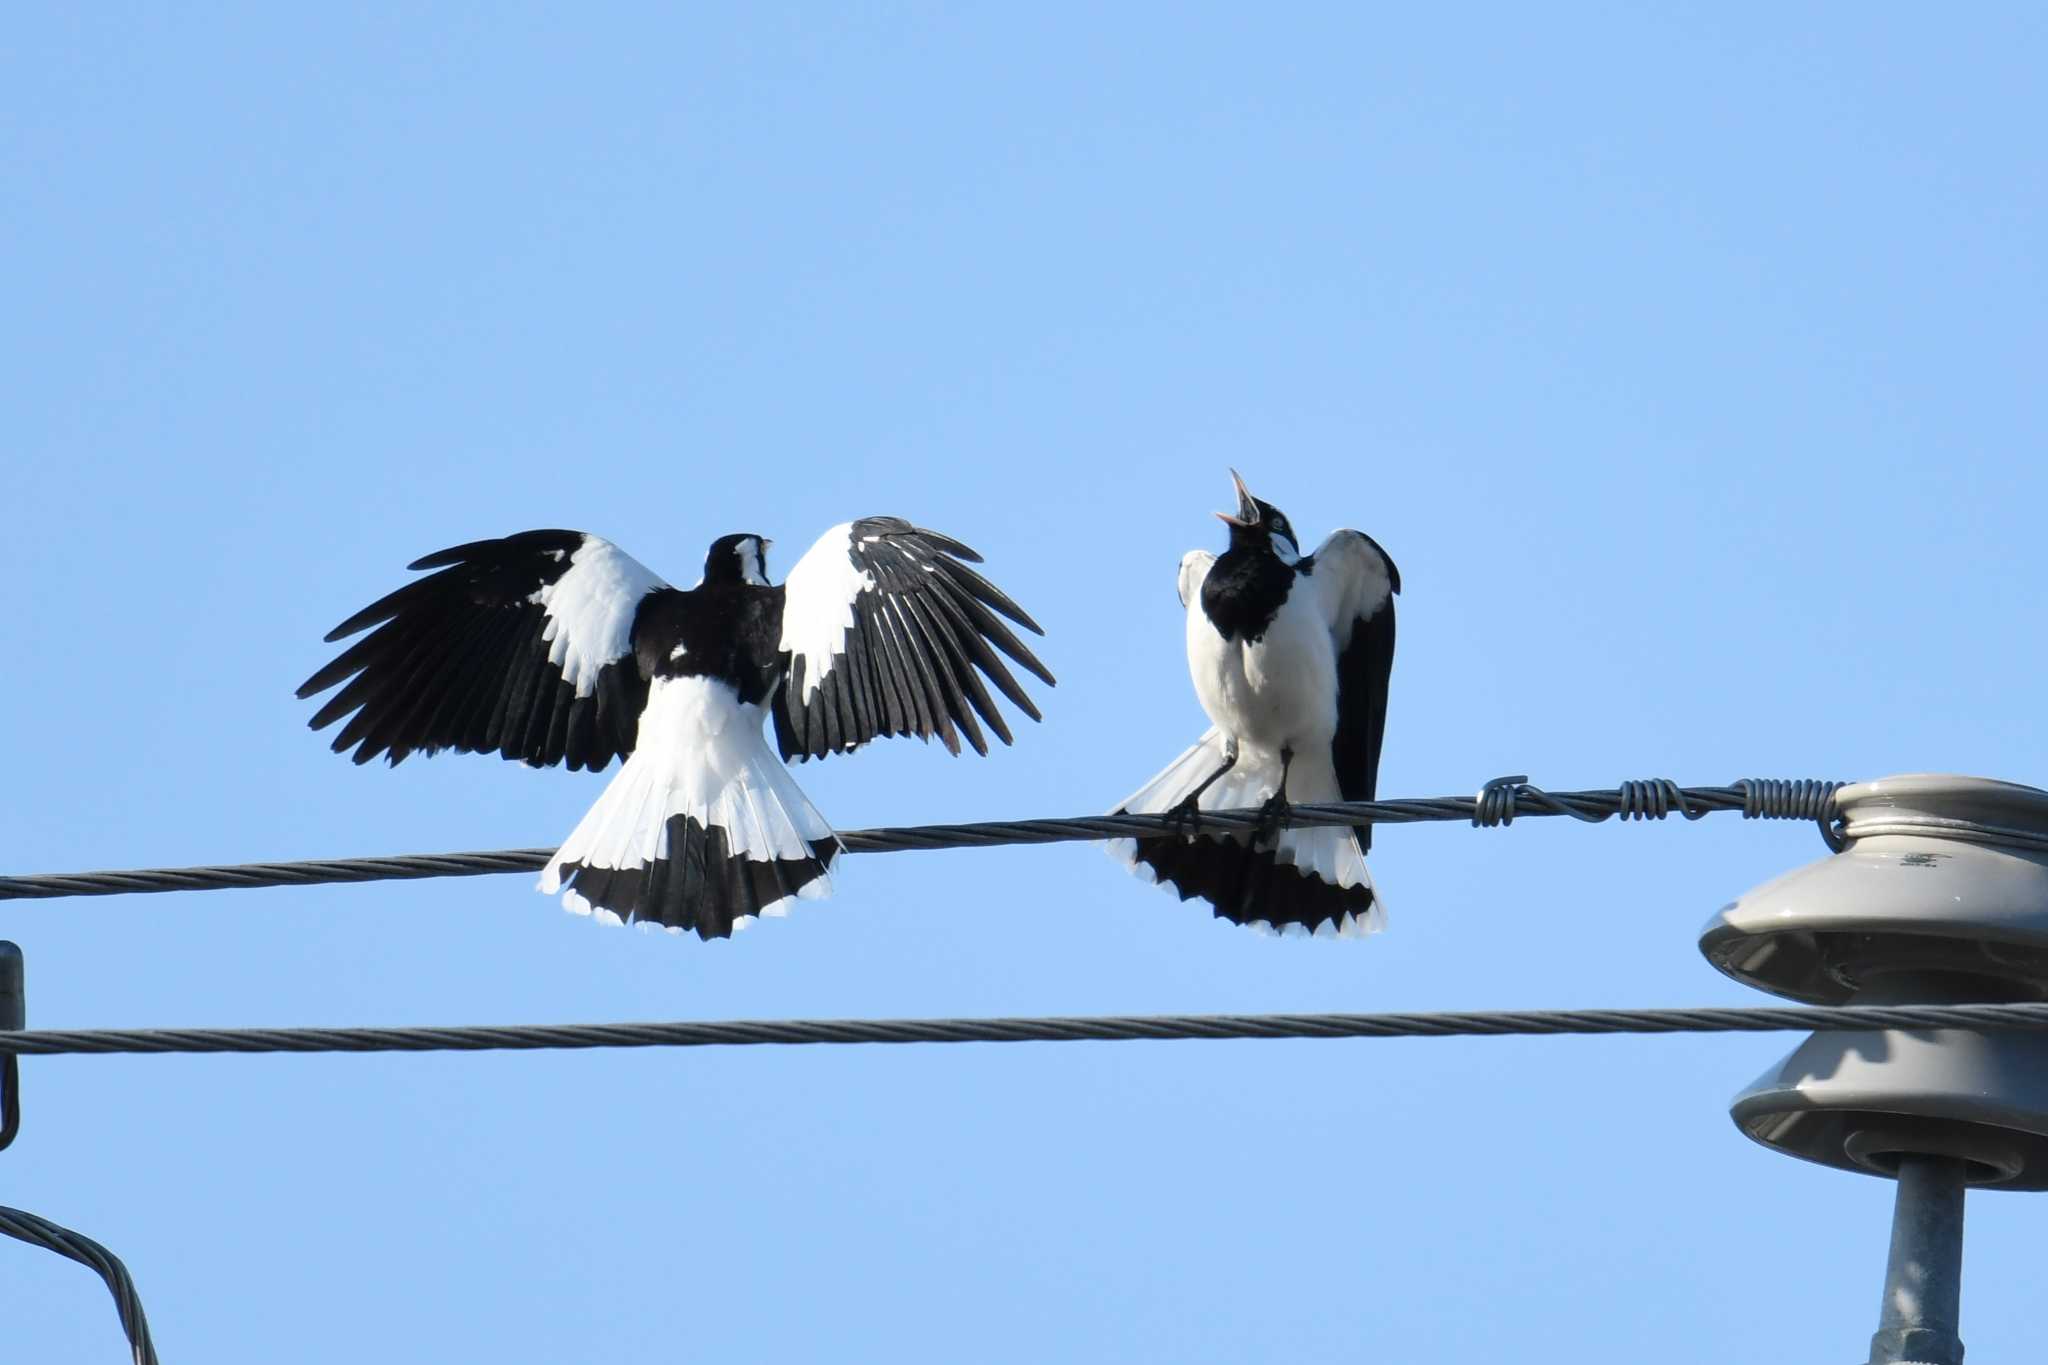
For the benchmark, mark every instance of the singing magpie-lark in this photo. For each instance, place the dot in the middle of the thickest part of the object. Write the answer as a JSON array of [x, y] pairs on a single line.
[[556, 647], [1290, 656]]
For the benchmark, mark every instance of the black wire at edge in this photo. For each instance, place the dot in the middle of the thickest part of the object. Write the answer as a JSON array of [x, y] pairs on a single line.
[[1050, 1029], [10, 1100], [41, 1232]]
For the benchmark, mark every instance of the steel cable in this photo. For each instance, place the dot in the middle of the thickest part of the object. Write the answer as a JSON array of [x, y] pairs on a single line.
[[43, 1233], [1043, 1029], [1500, 802]]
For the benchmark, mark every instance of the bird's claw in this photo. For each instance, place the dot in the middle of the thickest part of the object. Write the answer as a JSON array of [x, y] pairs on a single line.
[[1273, 817], [1184, 818]]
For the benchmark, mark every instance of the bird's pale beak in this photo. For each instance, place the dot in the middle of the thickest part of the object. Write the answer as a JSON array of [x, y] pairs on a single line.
[[1247, 505]]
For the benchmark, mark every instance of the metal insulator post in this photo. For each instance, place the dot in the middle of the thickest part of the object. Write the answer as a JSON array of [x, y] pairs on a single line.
[[1923, 1281], [1938, 896]]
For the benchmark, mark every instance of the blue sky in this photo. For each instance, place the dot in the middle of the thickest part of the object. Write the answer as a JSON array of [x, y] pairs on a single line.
[[1687, 362]]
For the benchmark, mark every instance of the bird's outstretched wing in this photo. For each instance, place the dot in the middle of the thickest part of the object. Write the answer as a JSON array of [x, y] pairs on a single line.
[[1355, 584], [886, 631], [522, 646]]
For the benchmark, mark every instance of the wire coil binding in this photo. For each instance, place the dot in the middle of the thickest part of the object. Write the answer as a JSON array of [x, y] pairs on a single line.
[[1769, 798], [1653, 799]]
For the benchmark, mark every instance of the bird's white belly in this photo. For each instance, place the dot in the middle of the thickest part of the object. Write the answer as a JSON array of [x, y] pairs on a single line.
[[1278, 692]]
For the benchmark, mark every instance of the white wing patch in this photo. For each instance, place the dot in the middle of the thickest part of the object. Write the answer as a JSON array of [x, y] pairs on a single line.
[[817, 604], [753, 556], [590, 610], [1351, 582], [1194, 572]]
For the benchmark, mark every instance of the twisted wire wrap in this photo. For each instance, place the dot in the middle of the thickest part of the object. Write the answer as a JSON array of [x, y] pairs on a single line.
[[1655, 798], [1498, 803], [43, 1233], [1044, 1029], [1768, 798], [1495, 805]]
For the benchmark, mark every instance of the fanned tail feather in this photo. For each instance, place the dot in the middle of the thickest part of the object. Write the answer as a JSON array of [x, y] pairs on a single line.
[[673, 844], [1310, 880]]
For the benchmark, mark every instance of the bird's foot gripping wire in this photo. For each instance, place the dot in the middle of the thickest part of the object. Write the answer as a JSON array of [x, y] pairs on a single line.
[[1273, 818], [1274, 815], [1184, 817]]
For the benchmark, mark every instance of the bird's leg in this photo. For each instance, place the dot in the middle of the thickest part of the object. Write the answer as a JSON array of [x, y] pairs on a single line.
[[1185, 816], [1273, 815]]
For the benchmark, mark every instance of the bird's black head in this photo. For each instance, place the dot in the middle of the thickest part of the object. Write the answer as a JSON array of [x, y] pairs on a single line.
[[741, 558], [1260, 526]]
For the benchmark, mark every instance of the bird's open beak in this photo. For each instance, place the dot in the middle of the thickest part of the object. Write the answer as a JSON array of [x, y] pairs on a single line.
[[1247, 506]]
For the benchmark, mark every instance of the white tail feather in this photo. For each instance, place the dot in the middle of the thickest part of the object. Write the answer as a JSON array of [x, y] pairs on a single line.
[[1329, 852], [700, 753]]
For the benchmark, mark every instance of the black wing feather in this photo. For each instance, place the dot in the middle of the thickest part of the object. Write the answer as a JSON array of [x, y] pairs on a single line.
[[922, 639], [941, 648], [1363, 670], [460, 659]]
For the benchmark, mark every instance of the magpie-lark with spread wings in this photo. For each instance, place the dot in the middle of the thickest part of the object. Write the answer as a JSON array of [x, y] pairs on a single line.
[[1290, 656], [556, 647]]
